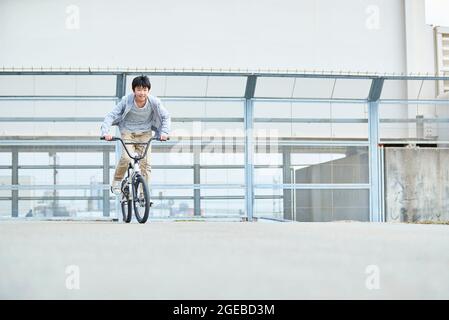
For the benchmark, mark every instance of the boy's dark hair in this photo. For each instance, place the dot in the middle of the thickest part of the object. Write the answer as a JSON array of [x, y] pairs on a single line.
[[141, 81]]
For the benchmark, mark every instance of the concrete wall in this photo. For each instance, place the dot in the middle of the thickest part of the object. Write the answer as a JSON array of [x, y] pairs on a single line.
[[333, 205], [416, 184]]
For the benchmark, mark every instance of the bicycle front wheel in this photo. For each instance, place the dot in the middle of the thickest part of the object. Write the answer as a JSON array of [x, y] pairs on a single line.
[[141, 200]]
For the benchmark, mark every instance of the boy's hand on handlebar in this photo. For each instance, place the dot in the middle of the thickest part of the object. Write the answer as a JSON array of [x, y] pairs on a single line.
[[164, 137], [108, 137]]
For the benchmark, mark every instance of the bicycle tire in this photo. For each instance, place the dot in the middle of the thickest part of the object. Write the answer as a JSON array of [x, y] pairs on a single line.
[[127, 210], [139, 180]]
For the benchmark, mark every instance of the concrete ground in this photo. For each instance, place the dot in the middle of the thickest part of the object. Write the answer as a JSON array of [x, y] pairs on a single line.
[[223, 260]]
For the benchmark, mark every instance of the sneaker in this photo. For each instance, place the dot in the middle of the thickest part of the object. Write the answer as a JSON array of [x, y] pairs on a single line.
[[115, 187]]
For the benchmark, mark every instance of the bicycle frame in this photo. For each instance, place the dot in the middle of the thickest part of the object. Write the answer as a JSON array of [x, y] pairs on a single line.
[[133, 166], [134, 187]]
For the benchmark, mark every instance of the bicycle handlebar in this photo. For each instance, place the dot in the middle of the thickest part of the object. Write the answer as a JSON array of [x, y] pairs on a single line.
[[126, 149]]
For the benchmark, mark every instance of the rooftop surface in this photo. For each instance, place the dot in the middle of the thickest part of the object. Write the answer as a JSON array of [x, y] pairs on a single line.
[[223, 260]]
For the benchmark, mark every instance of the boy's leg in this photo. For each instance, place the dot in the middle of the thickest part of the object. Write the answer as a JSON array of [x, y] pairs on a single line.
[[122, 165], [145, 165]]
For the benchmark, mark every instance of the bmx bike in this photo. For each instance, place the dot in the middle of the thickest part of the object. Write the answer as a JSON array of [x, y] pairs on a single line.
[[133, 188]]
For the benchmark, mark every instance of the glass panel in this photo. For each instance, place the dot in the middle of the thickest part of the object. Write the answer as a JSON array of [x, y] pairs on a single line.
[[198, 109], [313, 205], [269, 203], [64, 208], [276, 87], [218, 158], [411, 89], [80, 158], [231, 193], [222, 129], [5, 158], [229, 207], [352, 88], [427, 122], [51, 129], [269, 208], [172, 176], [394, 89], [226, 86], [95, 191], [313, 88], [63, 176], [222, 176], [316, 165], [160, 193], [264, 158], [186, 86], [194, 86], [311, 120], [16, 85], [57, 85], [173, 208], [171, 202], [173, 157], [5, 208], [268, 175], [5, 177], [5, 181], [283, 87], [35, 158], [331, 205], [312, 130]]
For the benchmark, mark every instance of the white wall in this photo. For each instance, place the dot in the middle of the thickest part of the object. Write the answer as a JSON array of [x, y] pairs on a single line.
[[356, 35]]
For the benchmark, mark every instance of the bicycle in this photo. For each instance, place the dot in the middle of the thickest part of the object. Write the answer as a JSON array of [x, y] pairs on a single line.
[[134, 189]]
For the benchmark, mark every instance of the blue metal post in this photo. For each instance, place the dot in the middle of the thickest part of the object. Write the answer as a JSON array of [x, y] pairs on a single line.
[[374, 163], [120, 91], [249, 146], [249, 165]]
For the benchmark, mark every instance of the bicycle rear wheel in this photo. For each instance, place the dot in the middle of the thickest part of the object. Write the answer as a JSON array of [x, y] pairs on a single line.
[[127, 209], [141, 200]]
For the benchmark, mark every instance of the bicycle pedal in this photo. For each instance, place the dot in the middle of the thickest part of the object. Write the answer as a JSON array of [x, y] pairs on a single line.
[[151, 203]]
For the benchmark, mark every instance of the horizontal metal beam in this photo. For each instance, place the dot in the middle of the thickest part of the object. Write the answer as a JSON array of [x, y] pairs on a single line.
[[59, 166], [98, 119], [94, 146], [58, 98], [201, 119], [310, 100], [107, 186], [320, 186], [232, 120], [312, 143], [412, 141], [414, 101], [114, 98], [205, 72], [200, 98], [311, 120], [428, 120], [81, 198]]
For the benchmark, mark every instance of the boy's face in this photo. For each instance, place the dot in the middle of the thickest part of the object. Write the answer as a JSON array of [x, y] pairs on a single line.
[[141, 93]]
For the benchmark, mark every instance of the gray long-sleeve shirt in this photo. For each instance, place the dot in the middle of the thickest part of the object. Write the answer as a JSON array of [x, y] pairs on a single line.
[[160, 121], [137, 120]]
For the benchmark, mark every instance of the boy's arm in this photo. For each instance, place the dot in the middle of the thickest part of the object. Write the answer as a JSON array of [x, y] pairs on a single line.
[[112, 116], [165, 119]]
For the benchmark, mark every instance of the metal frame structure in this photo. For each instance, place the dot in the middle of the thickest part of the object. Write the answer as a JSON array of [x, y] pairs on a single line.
[[373, 101]]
